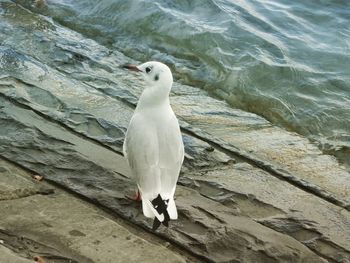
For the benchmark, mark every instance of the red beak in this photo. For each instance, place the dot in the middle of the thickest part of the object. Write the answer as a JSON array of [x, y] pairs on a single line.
[[131, 67]]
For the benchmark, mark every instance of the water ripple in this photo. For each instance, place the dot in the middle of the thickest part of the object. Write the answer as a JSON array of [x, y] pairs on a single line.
[[286, 60]]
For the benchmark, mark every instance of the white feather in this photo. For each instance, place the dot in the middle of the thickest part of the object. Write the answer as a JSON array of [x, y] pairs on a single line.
[[153, 144]]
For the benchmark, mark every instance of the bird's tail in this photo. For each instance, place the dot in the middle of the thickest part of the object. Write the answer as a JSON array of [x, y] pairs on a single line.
[[149, 211], [161, 210]]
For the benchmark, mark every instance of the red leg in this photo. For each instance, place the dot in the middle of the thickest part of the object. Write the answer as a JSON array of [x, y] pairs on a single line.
[[136, 197]]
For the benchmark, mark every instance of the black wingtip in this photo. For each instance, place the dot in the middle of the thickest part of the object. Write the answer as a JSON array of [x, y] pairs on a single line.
[[166, 223], [161, 206], [156, 224]]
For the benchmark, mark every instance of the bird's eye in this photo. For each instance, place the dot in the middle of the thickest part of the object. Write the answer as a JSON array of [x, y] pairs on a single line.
[[148, 70]]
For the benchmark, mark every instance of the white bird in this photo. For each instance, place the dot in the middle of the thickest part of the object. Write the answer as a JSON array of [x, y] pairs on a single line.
[[153, 144]]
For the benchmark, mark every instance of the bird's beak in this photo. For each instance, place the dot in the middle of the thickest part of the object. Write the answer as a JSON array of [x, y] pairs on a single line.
[[131, 67]]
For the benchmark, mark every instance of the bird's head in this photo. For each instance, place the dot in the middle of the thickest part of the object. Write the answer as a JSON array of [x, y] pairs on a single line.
[[156, 74]]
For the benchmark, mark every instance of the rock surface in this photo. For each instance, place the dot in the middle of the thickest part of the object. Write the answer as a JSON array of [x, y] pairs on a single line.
[[206, 228], [248, 191], [62, 228]]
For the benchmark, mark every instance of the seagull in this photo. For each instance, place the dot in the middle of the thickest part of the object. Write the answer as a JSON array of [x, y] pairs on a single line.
[[153, 144]]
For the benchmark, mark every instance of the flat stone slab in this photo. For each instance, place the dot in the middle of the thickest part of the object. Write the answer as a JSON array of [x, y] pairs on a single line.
[[62, 228], [252, 192], [290, 155], [210, 230], [8, 255]]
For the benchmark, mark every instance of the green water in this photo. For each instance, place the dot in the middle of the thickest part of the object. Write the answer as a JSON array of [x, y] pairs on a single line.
[[288, 61]]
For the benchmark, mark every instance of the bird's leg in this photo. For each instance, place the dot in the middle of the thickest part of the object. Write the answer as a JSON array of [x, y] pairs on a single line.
[[136, 197]]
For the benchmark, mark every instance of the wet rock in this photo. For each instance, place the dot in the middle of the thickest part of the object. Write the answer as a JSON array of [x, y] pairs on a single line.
[[201, 155], [278, 205], [47, 104], [63, 229], [24, 246], [9, 256], [305, 232], [205, 227], [24, 192], [254, 139]]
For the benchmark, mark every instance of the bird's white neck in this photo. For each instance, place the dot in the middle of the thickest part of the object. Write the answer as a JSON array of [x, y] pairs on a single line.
[[153, 97]]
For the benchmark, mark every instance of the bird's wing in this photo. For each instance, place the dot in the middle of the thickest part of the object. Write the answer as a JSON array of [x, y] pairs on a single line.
[[142, 152], [171, 145], [155, 155], [171, 152], [171, 158]]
